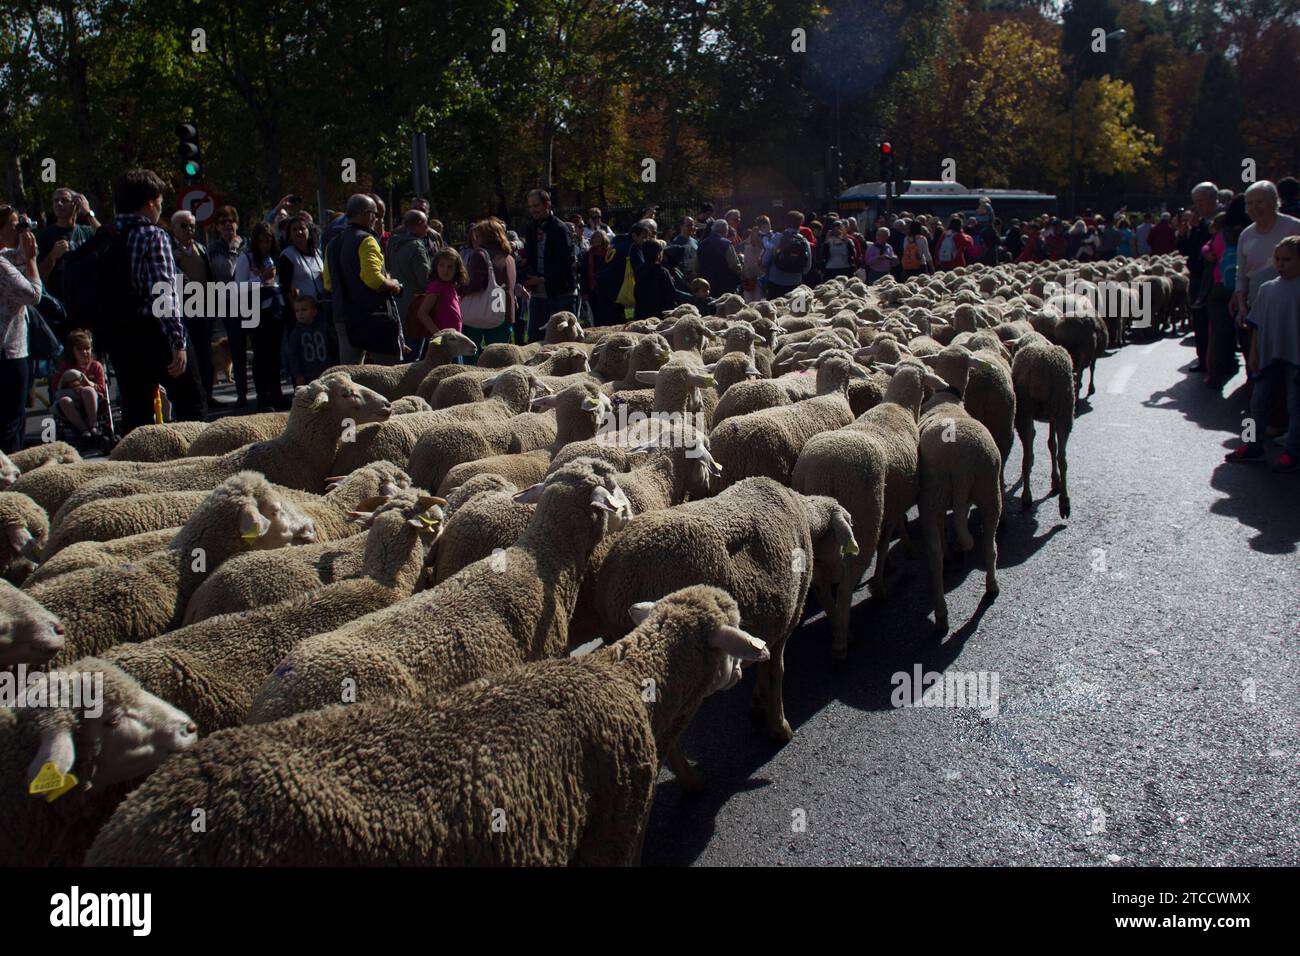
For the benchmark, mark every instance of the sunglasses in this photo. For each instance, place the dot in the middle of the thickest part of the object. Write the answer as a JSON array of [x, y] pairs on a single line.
[[224, 222]]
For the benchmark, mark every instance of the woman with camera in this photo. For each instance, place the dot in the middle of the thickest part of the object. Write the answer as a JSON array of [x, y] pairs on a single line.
[[20, 286]]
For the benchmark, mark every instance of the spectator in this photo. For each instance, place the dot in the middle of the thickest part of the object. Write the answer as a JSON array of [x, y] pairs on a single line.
[[409, 260], [1074, 238], [79, 385], [596, 224], [313, 342], [223, 253], [1127, 245], [1255, 247], [1034, 249], [788, 257], [257, 266], [1014, 241], [579, 234], [53, 242], [1221, 349], [1224, 197], [1142, 234], [1054, 241], [381, 224], [836, 254], [716, 260], [655, 292], [626, 261], [916, 252], [1109, 236], [362, 288], [1162, 239], [441, 306], [752, 259], [881, 257], [548, 265], [686, 239], [733, 227], [20, 286], [1288, 191], [146, 339], [604, 311], [1192, 235], [192, 259], [1275, 354], [490, 248], [955, 247]]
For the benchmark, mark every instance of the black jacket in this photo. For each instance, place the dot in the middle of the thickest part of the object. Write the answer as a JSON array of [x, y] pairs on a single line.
[[557, 257]]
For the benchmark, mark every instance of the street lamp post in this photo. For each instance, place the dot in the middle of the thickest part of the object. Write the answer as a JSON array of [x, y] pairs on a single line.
[[1074, 102]]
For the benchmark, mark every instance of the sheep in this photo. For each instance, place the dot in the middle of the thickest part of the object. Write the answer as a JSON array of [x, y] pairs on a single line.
[[109, 605], [158, 442], [757, 540], [83, 518], [26, 531], [47, 453], [1043, 376], [990, 397], [64, 769], [768, 442], [564, 360], [51, 484], [959, 465], [394, 381], [505, 609], [650, 353], [742, 398], [731, 368], [322, 418], [396, 440], [870, 468], [236, 431], [95, 554], [560, 327], [482, 516], [399, 532], [610, 357], [579, 412], [8, 472], [686, 335], [1076, 331], [568, 748], [29, 633]]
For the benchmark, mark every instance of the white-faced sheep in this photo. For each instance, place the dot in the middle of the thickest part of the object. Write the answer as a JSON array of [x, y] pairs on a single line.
[[1043, 376], [24, 534], [158, 442], [399, 532], [759, 541], [567, 749], [101, 607], [768, 442], [235, 431], [959, 466], [503, 610], [560, 327], [97, 554], [394, 381], [29, 633], [63, 769], [46, 453], [482, 516]]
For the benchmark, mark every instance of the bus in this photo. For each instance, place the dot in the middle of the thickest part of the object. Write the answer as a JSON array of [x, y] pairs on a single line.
[[866, 201]]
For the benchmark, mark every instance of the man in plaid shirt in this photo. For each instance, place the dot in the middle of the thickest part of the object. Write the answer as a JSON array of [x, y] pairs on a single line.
[[157, 355]]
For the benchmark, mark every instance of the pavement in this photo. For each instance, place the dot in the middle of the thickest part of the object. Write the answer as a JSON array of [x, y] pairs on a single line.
[[1145, 655]]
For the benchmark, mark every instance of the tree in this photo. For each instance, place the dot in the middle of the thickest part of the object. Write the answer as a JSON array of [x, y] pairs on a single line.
[[1212, 146]]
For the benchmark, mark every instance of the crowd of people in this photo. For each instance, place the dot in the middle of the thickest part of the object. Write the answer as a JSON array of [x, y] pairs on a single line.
[[350, 290]]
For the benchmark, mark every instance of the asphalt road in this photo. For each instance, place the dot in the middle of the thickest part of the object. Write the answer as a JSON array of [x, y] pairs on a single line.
[[1145, 651]]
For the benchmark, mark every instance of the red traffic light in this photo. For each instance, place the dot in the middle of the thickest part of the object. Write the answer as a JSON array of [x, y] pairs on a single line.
[[885, 149]]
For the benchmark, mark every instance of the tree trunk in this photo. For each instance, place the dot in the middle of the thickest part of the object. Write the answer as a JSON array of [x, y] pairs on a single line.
[[548, 151], [14, 189], [78, 88]]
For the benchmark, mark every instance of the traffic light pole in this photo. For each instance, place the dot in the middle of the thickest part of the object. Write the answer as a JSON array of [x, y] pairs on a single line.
[[889, 198]]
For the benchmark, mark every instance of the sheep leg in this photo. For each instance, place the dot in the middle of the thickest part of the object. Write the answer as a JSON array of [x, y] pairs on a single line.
[[1059, 462], [853, 570], [877, 583], [934, 549], [778, 728], [961, 514], [1092, 376], [1051, 456], [906, 538], [690, 778], [762, 677], [990, 510]]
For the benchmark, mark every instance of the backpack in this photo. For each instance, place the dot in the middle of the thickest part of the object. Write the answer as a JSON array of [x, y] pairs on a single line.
[[911, 254], [791, 254], [947, 248], [97, 284]]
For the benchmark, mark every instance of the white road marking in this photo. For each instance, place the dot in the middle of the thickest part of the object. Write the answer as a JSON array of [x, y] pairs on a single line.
[[1116, 385], [1148, 349]]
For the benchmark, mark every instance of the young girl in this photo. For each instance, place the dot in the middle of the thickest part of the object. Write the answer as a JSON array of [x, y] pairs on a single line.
[[440, 308], [80, 385]]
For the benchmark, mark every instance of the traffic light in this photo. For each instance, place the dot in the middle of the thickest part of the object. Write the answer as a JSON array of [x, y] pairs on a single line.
[[188, 150], [904, 181], [886, 163]]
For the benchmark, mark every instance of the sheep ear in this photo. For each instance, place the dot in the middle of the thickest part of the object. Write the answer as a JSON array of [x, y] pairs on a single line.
[[431, 501], [885, 367], [807, 363], [752, 372], [530, 495], [322, 398], [436, 340], [842, 525], [590, 404], [544, 401], [711, 367], [47, 774], [332, 483], [622, 348], [488, 382], [734, 641], [363, 518], [930, 360], [701, 381], [371, 503], [252, 523], [640, 611], [614, 502], [18, 536], [647, 378]]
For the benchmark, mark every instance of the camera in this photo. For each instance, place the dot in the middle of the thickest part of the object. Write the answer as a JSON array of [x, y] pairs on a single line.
[[296, 200], [23, 224]]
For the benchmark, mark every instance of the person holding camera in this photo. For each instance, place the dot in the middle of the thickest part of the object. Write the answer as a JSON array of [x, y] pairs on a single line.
[[20, 286], [56, 241]]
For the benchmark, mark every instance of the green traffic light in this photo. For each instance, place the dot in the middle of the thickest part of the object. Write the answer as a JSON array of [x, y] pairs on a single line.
[[191, 168]]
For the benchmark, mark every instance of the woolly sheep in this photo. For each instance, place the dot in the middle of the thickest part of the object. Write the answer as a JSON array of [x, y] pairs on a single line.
[[768, 442], [158, 442], [47, 453], [870, 468], [235, 431], [568, 748], [399, 532], [105, 606], [511, 607], [29, 633], [560, 327], [1043, 376], [485, 519], [95, 554], [759, 541], [394, 381], [102, 751], [959, 465], [24, 533]]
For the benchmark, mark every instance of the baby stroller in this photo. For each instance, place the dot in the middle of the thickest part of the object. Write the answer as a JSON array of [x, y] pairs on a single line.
[[64, 430]]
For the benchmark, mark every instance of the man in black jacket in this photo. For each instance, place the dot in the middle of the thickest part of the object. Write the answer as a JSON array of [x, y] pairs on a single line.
[[1205, 200], [548, 270]]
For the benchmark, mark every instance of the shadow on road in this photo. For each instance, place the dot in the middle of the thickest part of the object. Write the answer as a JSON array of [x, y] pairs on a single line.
[[1261, 500]]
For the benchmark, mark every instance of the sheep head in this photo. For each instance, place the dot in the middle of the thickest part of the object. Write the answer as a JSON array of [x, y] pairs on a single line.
[[447, 346], [29, 633], [589, 480], [336, 395], [8, 472]]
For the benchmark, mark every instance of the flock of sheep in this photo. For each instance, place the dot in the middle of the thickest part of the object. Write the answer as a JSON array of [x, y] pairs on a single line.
[[342, 634]]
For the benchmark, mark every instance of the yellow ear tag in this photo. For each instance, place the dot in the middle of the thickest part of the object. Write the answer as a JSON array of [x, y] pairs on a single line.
[[250, 535], [849, 549], [436, 340], [51, 783], [428, 522]]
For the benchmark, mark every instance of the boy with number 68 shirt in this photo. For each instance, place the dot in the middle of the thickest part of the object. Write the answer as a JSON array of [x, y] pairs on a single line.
[[313, 343]]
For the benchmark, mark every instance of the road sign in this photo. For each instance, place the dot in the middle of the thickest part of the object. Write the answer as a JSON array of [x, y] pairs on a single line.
[[199, 200]]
